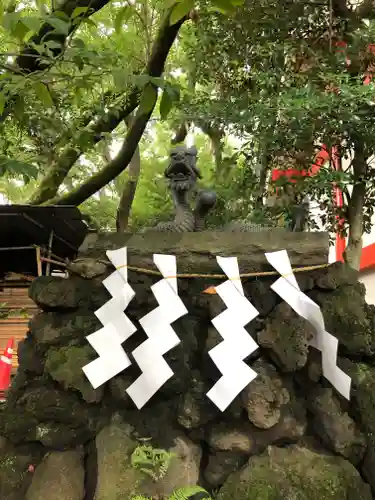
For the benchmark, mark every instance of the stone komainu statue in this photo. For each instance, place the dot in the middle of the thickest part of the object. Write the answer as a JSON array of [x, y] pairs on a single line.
[[182, 174]]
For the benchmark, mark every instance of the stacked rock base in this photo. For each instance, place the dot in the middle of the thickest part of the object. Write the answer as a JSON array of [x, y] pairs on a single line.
[[287, 435]]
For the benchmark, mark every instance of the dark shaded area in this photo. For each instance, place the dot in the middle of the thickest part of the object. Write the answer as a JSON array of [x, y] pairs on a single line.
[[23, 227]]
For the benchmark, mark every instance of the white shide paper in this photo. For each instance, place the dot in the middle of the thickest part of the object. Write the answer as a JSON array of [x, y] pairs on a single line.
[[117, 327], [287, 288], [161, 336], [237, 344]]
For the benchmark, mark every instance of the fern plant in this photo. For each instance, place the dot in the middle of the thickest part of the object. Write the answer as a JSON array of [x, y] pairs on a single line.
[[187, 492], [155, 463], [151, 461], [181, 494]]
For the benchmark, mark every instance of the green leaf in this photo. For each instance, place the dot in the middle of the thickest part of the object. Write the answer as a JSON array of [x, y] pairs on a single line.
[[43, 94], [237, 3], [141, 80], [223, 6], [168, 3], [33, 23], [61, 15], [174, 92], [166, 105], [180, 10], [120, 78], [20, 30], [78, 11], [123, 15], [2, 102], [15, 167], [148, 99], [79, 62], [89, 21], [60, 25], [51, 44], [10, 20], [158, 81], [79, 43]]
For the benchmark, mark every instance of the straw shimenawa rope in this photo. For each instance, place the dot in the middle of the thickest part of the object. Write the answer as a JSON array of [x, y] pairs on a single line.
[[152, 272]]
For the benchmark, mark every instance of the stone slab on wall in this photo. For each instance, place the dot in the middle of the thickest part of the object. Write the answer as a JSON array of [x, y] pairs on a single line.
[[198, 251]]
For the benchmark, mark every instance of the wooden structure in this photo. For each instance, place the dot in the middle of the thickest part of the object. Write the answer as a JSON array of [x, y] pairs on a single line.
[[16, 309], [33, 241]]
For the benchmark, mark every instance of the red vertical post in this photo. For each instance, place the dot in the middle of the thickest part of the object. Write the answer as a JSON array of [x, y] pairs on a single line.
[[339, 202]]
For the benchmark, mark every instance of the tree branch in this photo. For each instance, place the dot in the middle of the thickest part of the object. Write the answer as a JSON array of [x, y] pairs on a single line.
[[28, 64], [165, 39], [56, 174], [27, 61], [155, 67], [116, 166]]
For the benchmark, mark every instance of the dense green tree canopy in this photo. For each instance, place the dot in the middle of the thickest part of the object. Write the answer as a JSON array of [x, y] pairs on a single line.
[[93, 94]]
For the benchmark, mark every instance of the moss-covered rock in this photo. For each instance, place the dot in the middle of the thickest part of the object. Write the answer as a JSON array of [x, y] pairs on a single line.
[[363, 393], [31, 355], [348, 318], [297, 473], [55, 293], [195, 409], [116, 478], [264, 398], [286, 336], [335, 427], [119, 480], [60, 475], [368, 466], [50, 328], [16, 466], [65, 364], [37, 411], [336, 275]]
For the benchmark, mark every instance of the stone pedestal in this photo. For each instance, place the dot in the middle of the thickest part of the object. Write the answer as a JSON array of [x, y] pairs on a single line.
[[287, 435]]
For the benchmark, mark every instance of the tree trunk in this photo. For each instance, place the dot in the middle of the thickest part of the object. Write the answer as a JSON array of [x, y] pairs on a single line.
[[128, 192], [264, 167], [216, 139], [353, 251], [57, 172], [129, 189]]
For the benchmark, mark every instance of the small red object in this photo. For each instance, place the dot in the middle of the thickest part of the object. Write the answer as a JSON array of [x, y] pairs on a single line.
[[31, 468], [6, 366]]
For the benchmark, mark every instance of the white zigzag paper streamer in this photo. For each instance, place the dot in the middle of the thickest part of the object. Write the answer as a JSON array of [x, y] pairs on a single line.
[[161, 336], [237, 344], [117, 326], [287, 288]]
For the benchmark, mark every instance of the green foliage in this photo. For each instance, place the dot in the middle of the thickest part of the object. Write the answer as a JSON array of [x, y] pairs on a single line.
[[155, 463], [151, 461], [269, 73], [5, 312], [188, 492], [265, 77], [181, 494]]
